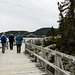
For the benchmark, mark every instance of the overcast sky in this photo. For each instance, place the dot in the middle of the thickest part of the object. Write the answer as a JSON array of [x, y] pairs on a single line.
[[28, 15]]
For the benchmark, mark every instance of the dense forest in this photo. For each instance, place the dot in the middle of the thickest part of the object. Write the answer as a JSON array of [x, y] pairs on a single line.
[[67, 25], [66, 28]]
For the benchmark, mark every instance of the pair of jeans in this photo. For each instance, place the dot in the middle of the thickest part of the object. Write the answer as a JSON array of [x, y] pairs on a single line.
[[19, 48], [3, 47]]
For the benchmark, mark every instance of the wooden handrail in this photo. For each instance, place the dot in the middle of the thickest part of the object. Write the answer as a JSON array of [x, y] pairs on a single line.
[[44, 60], [50, 64], [63, 55]]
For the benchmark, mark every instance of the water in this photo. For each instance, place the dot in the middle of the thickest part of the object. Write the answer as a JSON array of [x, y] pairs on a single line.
[[26, 39]]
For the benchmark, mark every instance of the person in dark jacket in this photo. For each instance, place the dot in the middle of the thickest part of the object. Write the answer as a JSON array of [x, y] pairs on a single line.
[[19, 39], [11, 40]]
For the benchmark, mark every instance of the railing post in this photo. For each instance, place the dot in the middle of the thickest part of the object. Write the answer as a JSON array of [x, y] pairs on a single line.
[[43, 55], [30, 50], [58, 63], [25, 47], [7, 44], [24, 40], [35, 58]]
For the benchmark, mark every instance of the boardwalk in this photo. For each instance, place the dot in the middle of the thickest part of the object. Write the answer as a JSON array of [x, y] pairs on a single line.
[[12, 63]]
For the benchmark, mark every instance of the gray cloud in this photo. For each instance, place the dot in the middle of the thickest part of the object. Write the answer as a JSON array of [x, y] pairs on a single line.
[[27, 14]]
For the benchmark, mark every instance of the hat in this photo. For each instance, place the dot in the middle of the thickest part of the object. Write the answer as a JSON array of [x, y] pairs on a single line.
[[19, 33]]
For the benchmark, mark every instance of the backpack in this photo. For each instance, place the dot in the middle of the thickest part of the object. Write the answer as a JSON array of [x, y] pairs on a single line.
[[3, 40]]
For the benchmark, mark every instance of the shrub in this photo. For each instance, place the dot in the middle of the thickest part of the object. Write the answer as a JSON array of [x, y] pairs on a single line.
[[38, 42], [48, 42]]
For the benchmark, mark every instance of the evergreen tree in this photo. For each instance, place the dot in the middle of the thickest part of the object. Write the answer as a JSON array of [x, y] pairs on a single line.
[[67, 22], [48, 33], [51, 31]]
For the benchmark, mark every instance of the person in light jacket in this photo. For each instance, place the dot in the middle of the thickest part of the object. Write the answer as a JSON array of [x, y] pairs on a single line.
[[19, 39]]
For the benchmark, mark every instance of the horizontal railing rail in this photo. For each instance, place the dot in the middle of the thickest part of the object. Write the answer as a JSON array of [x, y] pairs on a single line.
[[58, 70], [50, 64], [63, 55]]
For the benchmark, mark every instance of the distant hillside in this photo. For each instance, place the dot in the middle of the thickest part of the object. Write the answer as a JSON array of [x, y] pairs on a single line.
[[16, 32], [41, 31]]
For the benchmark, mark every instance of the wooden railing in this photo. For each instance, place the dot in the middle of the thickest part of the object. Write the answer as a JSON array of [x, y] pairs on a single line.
[[40, 55]]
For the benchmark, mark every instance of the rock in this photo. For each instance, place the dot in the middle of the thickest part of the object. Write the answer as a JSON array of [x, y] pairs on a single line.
[[53, 46]]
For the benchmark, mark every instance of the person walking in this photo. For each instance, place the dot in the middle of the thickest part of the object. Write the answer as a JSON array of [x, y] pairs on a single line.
[[3, 41], [11, 40], [19, 39]]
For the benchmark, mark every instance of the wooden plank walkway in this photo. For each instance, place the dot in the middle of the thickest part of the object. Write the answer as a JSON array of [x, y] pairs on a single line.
[[13, 63]]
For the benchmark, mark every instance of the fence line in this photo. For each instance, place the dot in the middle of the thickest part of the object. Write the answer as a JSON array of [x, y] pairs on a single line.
[[33, 50]]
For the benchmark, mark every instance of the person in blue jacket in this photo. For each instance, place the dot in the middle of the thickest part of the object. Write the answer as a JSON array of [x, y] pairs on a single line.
[[3, 41], [19, 39]]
